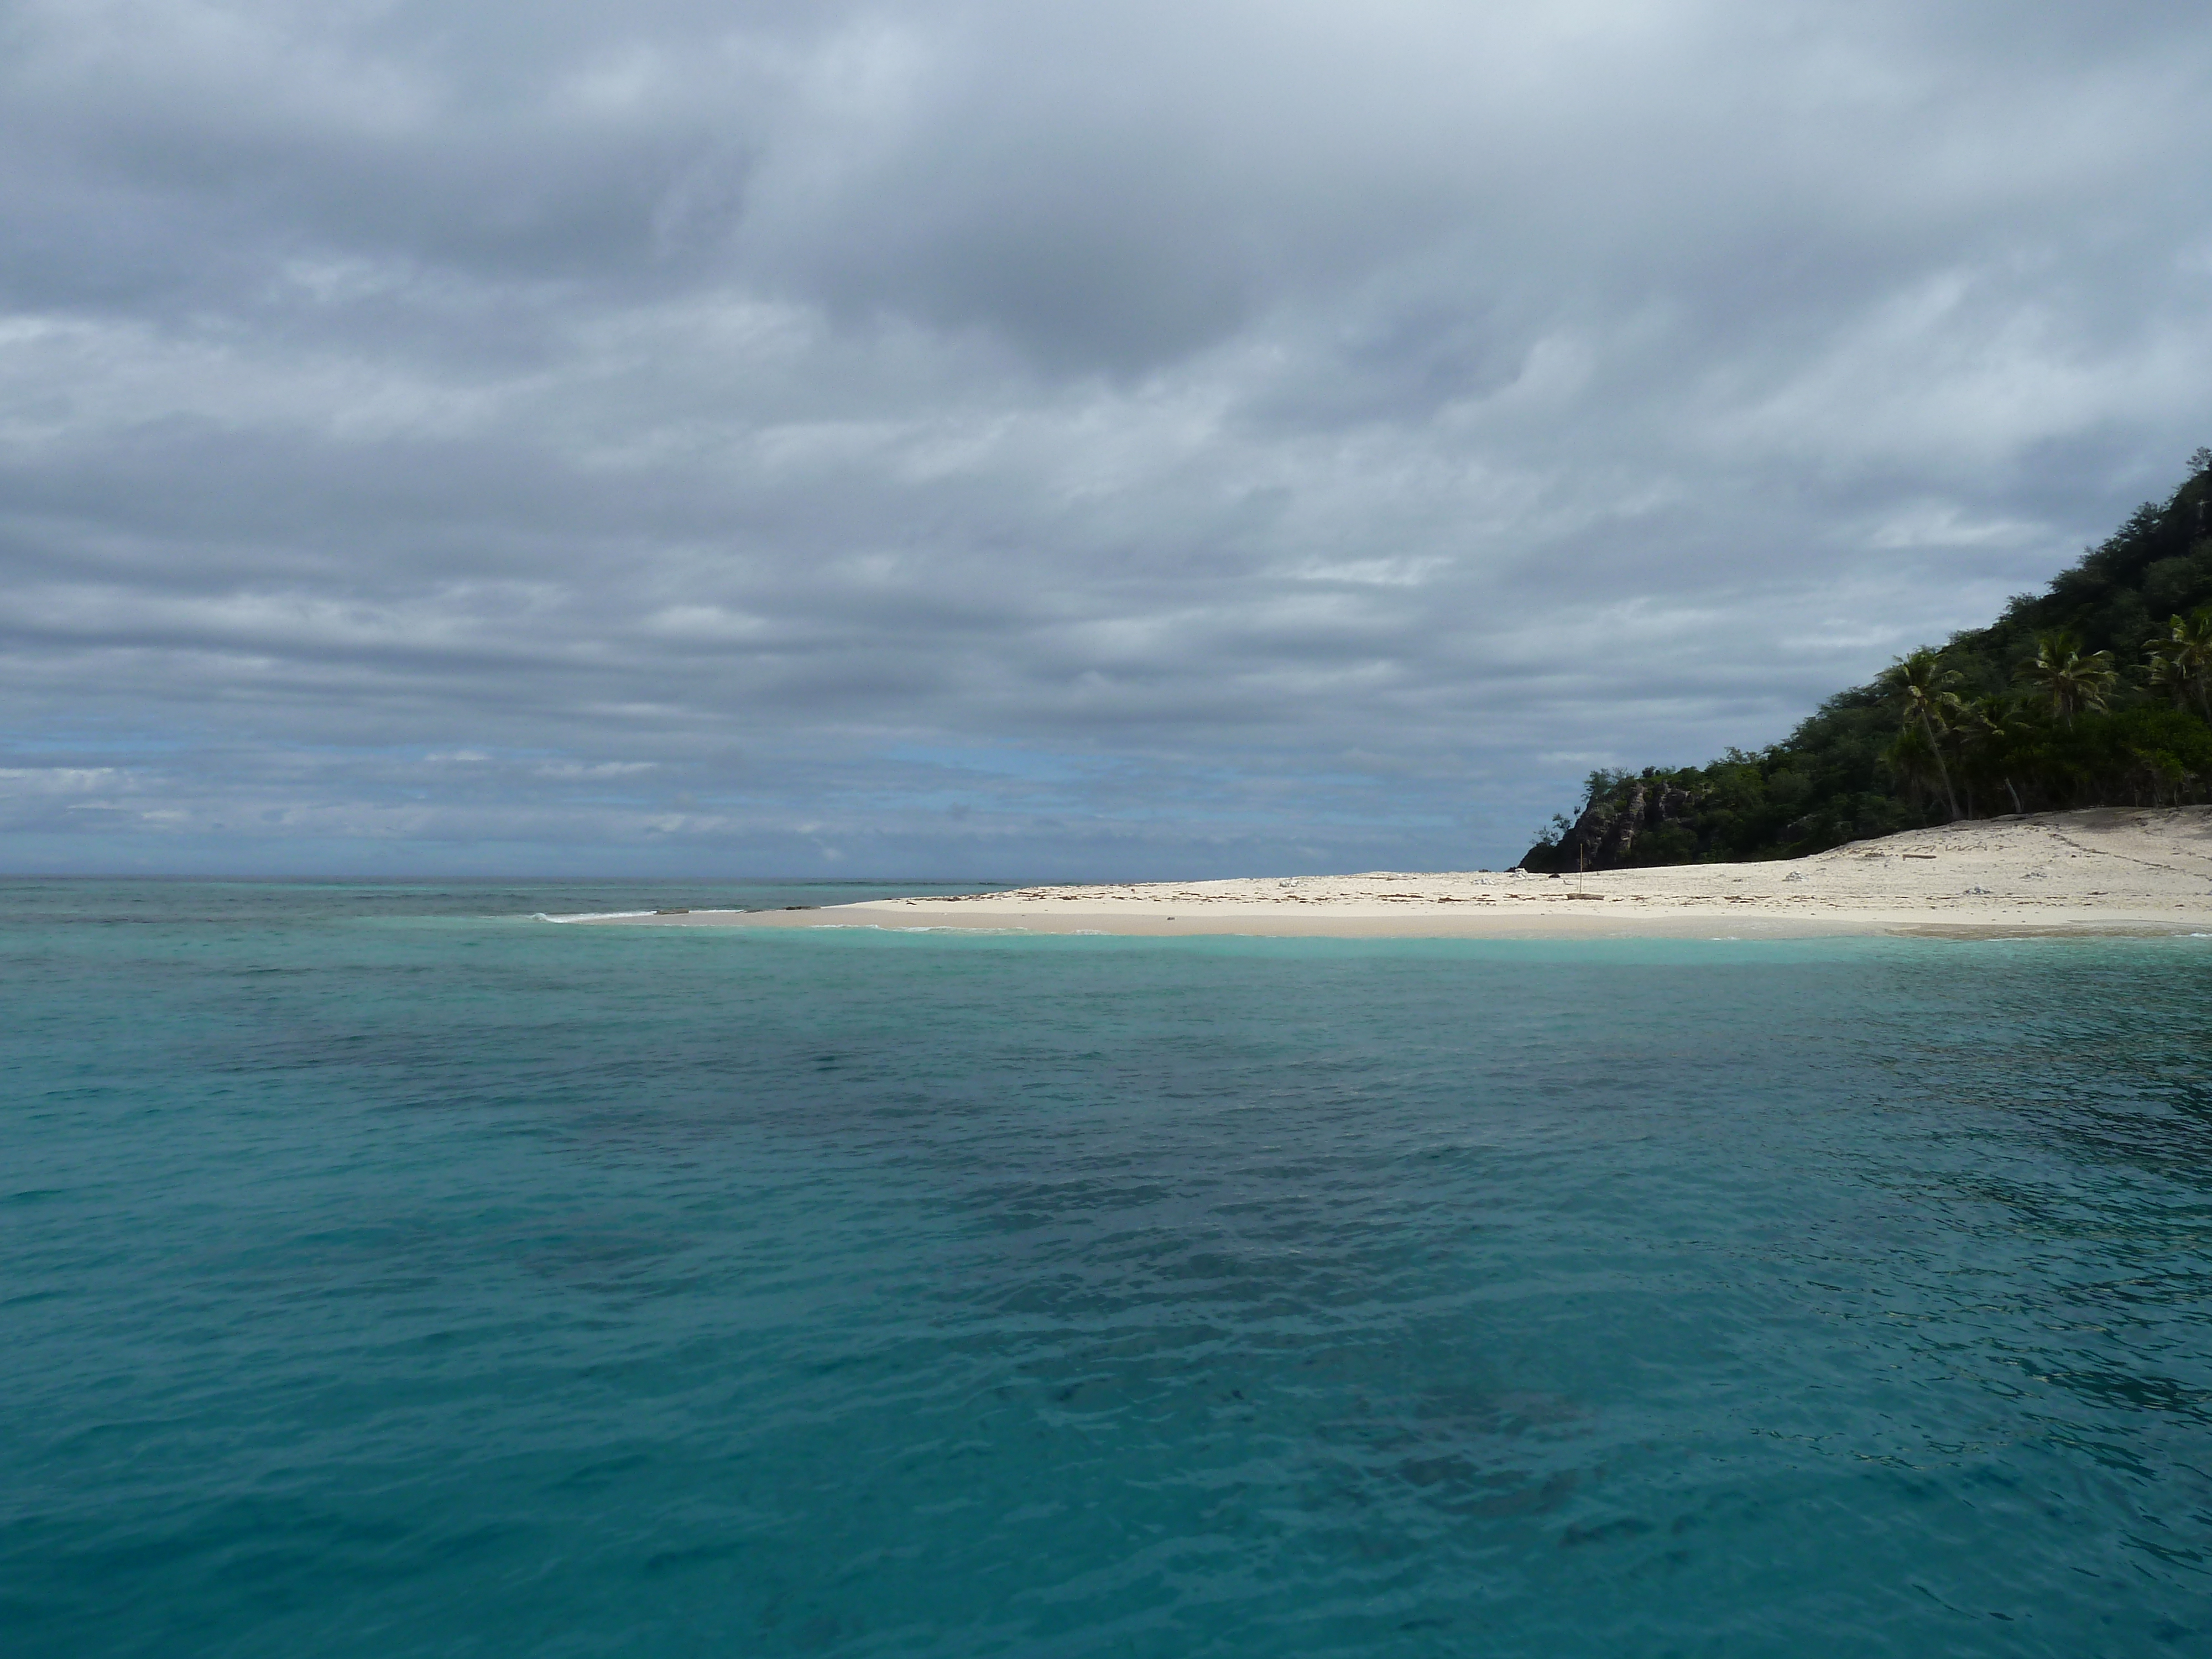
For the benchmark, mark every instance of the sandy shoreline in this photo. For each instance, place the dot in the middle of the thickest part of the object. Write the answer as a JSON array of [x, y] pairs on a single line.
[[2105, 871]]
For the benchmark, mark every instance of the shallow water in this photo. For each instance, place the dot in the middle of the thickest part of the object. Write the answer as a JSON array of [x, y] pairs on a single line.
[[390, 1274]]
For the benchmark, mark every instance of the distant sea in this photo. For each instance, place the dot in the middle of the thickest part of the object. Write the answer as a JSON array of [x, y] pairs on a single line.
[[385, 1273]]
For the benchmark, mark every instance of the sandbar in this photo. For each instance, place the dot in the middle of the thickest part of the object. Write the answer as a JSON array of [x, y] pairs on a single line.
[[2102, 871]]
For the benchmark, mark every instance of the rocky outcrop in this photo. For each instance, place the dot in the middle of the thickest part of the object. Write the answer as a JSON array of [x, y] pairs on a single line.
[[1642, 820]]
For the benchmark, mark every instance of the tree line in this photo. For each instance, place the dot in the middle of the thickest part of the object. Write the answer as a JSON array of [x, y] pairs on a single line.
[[2096, 692]]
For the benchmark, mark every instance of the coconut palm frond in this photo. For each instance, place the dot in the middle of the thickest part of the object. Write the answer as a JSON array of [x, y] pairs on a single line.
[[2181, 660], [2069, 682]]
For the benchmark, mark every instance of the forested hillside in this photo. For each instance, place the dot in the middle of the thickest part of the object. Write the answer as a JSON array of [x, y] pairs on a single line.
[[2095, 692]]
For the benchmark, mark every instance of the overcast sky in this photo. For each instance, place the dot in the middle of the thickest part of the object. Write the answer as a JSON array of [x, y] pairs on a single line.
[[1013, 438]]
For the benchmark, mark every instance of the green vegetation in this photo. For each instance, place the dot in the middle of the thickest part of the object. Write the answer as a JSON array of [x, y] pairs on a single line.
[[2097, 692]]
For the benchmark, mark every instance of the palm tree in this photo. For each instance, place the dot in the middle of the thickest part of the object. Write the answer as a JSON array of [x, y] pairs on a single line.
[[1921, 687], [1915, 761], [2069, 681], [2160, 671], [2181, 661], [1985, 728]]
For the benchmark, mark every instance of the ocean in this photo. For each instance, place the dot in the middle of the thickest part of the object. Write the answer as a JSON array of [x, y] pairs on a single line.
[[387, 1272]]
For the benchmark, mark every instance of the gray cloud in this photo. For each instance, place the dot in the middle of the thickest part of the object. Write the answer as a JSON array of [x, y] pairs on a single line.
[[974, 437]]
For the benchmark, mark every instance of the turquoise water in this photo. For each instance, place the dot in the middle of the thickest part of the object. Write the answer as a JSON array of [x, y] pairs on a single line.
[[387, 1273]]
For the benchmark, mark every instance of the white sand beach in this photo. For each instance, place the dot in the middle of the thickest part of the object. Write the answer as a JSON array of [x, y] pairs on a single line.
[[2106, 870]]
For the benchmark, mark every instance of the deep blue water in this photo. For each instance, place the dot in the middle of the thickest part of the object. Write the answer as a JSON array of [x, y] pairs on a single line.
[[387, 1273]]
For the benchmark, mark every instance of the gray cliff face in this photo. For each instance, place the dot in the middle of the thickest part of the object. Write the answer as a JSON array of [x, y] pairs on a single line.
[[1654, 815]]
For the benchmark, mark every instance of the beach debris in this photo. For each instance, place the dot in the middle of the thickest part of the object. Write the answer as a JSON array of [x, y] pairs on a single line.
[[1795, 875], [681, 910]]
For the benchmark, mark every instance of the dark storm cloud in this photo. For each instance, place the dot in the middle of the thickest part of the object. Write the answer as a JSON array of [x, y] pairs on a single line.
[[1035, 437]]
